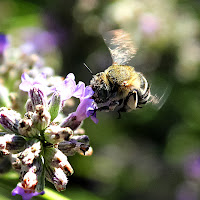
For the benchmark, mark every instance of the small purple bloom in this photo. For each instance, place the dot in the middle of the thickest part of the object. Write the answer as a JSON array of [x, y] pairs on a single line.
[[37, 97], [25, 193], [85, 109], [68, 89], [38, 41], [79, 90], [38, 82], [28, 48], [149, 24], [83, 92], [9, 119], [192, 167], [3, 42], [186, 192]]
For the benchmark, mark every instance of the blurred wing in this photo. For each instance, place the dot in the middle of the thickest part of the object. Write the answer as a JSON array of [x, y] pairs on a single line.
[[120, 46], [160, 94]]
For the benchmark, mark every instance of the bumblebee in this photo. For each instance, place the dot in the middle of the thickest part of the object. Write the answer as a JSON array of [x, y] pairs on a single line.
[[120, 88]]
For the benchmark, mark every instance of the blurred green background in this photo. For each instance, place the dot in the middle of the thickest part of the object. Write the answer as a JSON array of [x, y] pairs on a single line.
[[148, 154]]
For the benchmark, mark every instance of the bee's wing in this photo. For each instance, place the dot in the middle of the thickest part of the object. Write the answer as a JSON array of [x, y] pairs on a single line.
[[160, 93], [120, 46]]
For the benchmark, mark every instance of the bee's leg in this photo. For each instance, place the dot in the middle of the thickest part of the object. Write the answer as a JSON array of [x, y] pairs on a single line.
[[110, 107], [130, 102], [103, 108], [94, 112], [113, 105], [119, 115]]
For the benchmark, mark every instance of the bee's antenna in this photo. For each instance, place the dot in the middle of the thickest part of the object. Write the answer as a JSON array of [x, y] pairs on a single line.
[[88, 69]]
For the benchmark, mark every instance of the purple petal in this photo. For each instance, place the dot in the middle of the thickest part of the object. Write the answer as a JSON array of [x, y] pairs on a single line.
[[80, 90], [28, 48], [27, 82], [88, 92], [71, 121], [85, 109], [25, 77], [40, 79], [70, 76], [149, 24], [25, 86], [192, 167], [38, 41], [25, 193], [39, 82], [70, 81], [83, 92], [66, 88], [3, 43]]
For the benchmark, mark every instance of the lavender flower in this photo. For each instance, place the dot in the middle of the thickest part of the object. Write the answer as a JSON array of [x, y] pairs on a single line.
[[85, 109], [67, 88], [33, 140], [26, 194], [149, 24], [28, 82], [3, 43], [83, 92], [192, 167], [9, 119], [186, 191], [38, 41]]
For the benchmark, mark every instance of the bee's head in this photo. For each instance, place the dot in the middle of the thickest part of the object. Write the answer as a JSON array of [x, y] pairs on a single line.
[[101, 87]]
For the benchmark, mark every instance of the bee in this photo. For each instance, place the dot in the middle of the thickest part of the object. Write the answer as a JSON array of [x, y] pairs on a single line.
[[120, 88]]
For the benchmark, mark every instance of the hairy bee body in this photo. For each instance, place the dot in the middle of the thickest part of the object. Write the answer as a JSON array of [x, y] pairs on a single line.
[[120, 88]]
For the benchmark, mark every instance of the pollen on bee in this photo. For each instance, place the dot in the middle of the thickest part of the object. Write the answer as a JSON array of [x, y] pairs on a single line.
[[125, 83]]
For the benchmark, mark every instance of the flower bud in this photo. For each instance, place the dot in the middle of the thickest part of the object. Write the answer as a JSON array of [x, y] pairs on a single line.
[[41, 117], [79, 131], [24, 169], [16, 162], [26, 128], [81, 138], [30, 180], [12, 143], [55, 105], [55, 159], [55, 134], [57, 177], [30, 153], [82, 144], [37, 97], [29, 106], [34, 177], [71, 122], [69, 148], [9, 119], [88, 151]]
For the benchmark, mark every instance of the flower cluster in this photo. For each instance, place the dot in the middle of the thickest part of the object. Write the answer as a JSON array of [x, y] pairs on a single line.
[[38, 142]]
